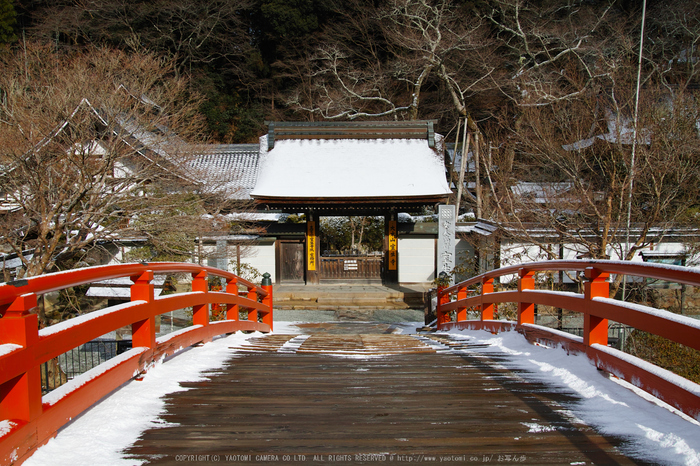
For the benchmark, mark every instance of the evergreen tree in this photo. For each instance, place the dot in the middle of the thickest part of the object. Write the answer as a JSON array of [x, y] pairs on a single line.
[[8, 19]]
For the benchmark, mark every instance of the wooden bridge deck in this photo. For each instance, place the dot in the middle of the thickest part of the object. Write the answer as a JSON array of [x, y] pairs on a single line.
[[342, 398]]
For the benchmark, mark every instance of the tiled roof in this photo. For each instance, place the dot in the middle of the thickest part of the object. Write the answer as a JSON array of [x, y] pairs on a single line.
[[234, 167], [320, 130]]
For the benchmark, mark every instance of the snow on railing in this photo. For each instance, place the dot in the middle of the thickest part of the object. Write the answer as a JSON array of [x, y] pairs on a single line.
[[28, 420], [596, 307]]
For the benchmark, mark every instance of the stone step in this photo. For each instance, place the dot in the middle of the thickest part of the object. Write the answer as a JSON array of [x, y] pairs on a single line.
[[333, 297]]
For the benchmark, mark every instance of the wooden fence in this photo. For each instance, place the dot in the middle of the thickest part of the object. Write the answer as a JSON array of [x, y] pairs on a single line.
[[365, 268]]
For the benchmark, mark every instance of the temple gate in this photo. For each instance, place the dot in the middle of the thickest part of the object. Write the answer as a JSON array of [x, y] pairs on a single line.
[[348, 169]]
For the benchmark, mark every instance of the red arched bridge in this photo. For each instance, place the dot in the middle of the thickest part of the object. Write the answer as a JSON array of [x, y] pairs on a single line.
[[29, 420]]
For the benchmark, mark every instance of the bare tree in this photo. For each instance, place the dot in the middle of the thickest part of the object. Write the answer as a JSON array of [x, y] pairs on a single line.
[[554, 48], [570, 179], [92, 151], [565, 159], [379, 64], [672, 53], [198, 32]]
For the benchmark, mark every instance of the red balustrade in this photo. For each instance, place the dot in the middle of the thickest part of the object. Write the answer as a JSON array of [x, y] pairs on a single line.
[[27, 420], [597, 308]]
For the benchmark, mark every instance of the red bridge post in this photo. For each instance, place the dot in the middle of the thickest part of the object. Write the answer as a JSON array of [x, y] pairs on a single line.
[[461, 310], [20, 397], [443, 317], [486, 309], [200, 312], [595, 329], [526, 310], [252, 312], [143, 332], [232, 309]]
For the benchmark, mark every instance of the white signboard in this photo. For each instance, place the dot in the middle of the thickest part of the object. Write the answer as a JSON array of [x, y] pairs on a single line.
[[446, 239]]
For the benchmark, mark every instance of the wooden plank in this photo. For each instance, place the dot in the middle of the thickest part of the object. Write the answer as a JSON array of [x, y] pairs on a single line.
[[351, 130], [350, 124], [417, 406]]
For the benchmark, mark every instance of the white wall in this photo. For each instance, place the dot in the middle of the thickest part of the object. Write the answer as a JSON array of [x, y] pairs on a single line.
[[262, 257], [258, 255], [416, 259]]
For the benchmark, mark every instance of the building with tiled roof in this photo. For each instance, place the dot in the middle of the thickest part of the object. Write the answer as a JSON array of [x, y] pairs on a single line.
[[234, 167]]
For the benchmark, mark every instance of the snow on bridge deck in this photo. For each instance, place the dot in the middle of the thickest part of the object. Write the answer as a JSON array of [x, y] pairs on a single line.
[[361, 393]]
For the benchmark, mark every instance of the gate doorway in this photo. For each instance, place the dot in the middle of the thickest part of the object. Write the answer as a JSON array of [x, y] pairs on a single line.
[[352, 249]]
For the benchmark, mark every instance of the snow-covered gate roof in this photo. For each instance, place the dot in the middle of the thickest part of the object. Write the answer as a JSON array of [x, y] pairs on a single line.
[[378, 162]]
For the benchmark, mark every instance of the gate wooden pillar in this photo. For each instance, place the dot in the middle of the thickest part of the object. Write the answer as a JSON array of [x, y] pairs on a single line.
[[312, 248], [391, 248]]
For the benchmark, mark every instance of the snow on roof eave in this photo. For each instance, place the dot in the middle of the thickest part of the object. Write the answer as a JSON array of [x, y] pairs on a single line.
[[344, 199], [351, 168], [57, 130]]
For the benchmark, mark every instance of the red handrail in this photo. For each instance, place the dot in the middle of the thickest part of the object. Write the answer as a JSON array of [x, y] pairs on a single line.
[[26, 420], [597, 307]]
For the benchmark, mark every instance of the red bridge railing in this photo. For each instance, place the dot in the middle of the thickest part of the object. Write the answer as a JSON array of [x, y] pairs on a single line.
[[26, 419], [596, 307]]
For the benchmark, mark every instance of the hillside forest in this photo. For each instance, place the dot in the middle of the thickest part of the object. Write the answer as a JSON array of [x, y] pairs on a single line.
[[257, 60]]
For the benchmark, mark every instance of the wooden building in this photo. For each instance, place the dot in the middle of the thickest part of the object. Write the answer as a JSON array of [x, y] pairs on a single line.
[[347, 169]]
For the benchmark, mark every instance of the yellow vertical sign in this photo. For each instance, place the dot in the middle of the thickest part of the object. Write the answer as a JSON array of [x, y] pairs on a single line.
[[311, 244], [393, 245]]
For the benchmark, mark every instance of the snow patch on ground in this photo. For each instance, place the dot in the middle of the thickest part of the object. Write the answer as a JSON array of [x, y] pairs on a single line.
[[100, 434], [654, 432], [293, 345], [537, 428]]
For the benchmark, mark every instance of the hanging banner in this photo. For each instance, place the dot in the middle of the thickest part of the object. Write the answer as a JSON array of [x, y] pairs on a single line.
[[446, 239], [311, 245], [393, 245]]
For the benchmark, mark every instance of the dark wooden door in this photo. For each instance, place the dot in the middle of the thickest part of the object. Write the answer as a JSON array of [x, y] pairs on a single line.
[[291, 262]]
